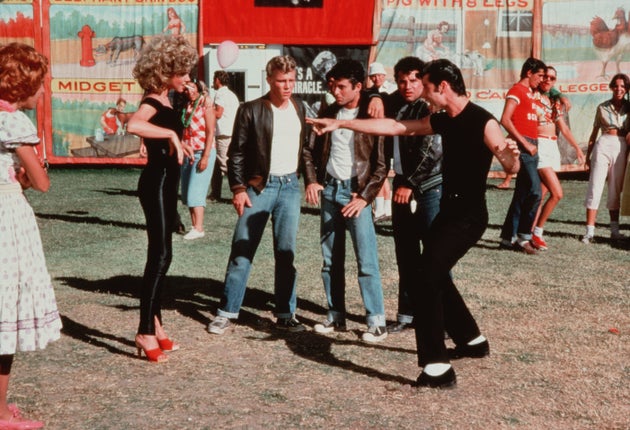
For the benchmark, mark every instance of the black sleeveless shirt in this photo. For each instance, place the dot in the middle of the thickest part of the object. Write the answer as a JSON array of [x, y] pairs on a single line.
[[467, 159], [166, 117]]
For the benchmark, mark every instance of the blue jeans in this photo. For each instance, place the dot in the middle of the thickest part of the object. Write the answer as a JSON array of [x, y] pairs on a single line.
[[336, 195], [409, 230], [520, 217], [280, 199], [195, 184]]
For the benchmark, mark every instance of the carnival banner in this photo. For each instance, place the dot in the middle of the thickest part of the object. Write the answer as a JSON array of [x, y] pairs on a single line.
[[587, 42], [93, 49], [18, 22], [488, 40]]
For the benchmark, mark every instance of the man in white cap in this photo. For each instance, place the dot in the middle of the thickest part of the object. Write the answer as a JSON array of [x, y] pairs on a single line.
[[377, 74]]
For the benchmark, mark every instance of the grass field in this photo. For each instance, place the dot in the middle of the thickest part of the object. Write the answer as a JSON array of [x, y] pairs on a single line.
[[557, 360]]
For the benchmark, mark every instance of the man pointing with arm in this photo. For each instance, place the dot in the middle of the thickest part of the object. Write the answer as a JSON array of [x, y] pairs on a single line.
[[471, 136]]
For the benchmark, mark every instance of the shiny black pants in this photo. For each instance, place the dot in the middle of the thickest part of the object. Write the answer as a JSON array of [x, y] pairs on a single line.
[[439, 307], [157, 189]]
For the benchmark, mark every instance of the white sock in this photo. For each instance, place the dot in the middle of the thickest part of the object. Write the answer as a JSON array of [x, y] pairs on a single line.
[[388, 207], [590, 230], [379, 204], [436, 369], [538, 231], [477, 340]]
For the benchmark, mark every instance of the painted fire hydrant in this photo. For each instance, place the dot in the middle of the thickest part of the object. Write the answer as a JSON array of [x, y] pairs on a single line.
[[87, 57]]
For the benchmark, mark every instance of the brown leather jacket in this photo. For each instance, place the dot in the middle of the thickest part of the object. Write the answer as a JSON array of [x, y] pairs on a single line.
[[249, 154], [368, 152]]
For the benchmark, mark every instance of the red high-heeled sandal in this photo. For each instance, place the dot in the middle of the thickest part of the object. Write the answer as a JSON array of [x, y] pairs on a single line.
[[17, 413], [167, 345], [153, 355], [18, 422]]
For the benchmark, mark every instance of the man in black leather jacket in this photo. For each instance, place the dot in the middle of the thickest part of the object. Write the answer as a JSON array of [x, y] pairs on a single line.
[[417, 184], [263, 164], [348, 169]]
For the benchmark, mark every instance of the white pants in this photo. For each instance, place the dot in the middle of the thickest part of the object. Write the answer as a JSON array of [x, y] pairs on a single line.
[[223, 143], [607, 160]]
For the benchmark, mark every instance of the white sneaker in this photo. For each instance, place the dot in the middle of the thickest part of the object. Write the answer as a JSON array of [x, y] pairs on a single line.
[[374, 334], [329, 326], [194, 234], [219, 325], [587, 239]]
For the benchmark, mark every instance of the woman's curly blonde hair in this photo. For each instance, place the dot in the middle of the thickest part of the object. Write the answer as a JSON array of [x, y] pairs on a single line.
[[161, 59], [22, 71]]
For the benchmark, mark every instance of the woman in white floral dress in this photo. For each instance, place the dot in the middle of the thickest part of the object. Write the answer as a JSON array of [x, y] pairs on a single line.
[[29, 319]]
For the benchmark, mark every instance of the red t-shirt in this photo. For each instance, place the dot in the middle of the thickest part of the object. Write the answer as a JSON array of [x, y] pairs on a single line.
[[524, 116]]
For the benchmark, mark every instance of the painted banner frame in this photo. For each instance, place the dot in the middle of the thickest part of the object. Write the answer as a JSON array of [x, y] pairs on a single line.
[[584, 70], [92, 47]]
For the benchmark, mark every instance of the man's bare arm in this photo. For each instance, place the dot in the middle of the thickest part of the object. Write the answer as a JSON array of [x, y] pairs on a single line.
[[506, 150], [506, 122], [380, 126]]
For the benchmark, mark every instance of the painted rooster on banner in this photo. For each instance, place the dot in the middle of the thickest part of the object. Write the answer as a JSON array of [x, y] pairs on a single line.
[[611, 44]]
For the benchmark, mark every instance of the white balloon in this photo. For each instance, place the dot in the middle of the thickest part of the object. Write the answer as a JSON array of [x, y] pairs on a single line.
[[227, 53]]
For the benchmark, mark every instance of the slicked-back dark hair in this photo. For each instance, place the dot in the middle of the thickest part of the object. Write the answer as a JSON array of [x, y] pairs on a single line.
[[348, 69], [532, 65], [444, 70]]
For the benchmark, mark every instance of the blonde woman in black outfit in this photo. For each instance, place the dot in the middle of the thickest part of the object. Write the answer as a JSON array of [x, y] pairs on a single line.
[[164, 65]]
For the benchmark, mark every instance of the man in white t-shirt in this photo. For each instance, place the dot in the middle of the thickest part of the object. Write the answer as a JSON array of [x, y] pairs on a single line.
[[263, 161], [225, 106], [348, 169]]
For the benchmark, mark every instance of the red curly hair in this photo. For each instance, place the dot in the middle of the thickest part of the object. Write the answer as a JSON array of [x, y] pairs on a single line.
[[22, 71]]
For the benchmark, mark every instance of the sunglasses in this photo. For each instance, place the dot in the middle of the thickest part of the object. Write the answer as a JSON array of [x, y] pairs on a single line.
[[549, 78]]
